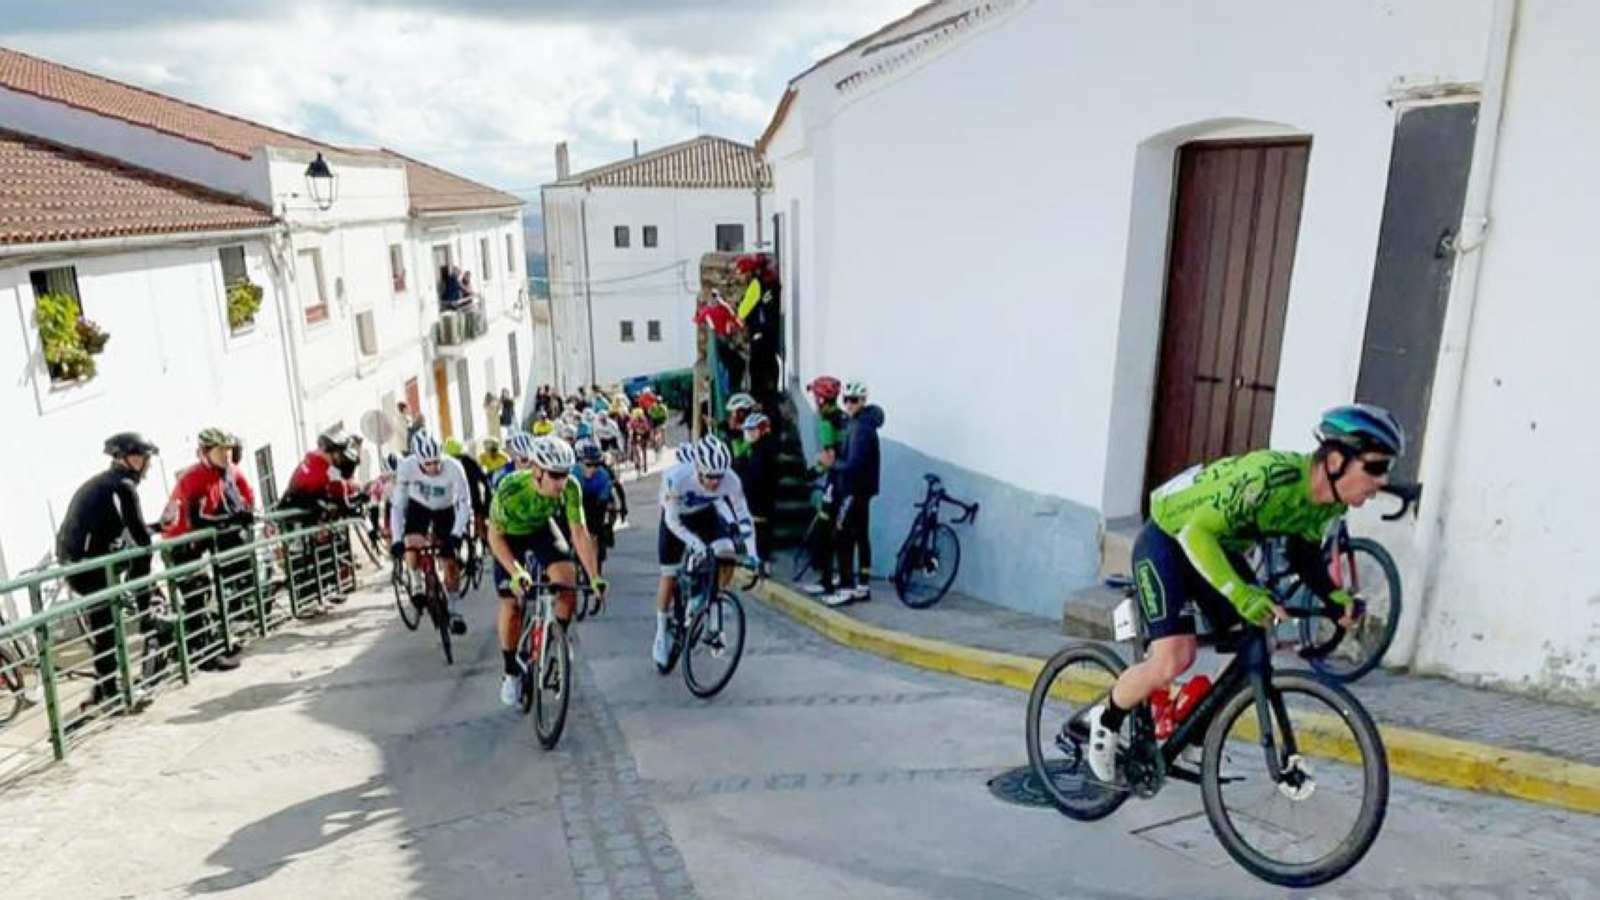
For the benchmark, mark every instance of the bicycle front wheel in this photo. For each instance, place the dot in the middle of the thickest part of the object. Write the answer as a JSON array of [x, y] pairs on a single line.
[[714, 646], [410, 613], [1314, 819], [439, 611], [927, 566], [1069, 685], [552, 683], [1368, 571]]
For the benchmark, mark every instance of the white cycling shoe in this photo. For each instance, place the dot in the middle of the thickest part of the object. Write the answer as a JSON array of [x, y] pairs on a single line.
[[509, 690], [1102, 747], [662, 651]]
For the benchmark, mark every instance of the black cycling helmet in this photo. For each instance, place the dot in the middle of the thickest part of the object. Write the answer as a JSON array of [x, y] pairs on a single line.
[[1362, 428], [129, 443]]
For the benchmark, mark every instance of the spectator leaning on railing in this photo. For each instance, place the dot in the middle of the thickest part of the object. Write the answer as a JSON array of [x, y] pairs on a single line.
[[103, 515], [212, 493]]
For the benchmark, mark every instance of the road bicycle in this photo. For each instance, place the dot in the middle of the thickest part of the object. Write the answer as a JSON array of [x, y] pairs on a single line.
[[1359, 565], [706, 625], [544, 652], [1292, 770], [430, 599], [928, 560]]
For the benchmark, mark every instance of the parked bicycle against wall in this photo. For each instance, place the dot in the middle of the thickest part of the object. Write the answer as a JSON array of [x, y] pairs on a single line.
[[1361, 566], [1292, 770], [928, 560]]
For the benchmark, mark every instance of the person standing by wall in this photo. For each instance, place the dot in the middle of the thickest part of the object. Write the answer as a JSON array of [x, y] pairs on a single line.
[[508, 409], [491, 414], [855, 479]]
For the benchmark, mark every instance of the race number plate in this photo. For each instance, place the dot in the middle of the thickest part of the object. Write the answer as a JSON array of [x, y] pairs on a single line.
[[1124, 622]]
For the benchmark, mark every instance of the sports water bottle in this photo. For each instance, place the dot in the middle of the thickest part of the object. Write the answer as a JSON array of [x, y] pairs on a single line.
[[1189, 697]]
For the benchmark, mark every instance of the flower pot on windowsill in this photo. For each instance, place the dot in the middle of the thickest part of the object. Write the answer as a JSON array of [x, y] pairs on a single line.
[[244, 301]]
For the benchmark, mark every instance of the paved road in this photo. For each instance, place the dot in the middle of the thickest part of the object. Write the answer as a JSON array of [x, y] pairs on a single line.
[[345, 761]]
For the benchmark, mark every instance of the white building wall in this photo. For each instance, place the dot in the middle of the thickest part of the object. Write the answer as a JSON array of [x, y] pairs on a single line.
[[564, 249], [170, 368], [1518, 595]]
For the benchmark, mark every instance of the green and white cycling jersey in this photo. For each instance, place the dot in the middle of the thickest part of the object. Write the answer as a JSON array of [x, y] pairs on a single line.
[[518, 509], [1229, 505]]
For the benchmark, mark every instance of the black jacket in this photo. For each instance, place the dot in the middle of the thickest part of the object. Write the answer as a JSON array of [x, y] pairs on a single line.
[[758, 472], [102, 512], [856, 471]]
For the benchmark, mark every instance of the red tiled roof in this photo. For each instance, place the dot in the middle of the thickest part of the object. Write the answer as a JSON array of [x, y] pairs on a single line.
[[705, 162], [432, 190], [50, 193], [435, 190]]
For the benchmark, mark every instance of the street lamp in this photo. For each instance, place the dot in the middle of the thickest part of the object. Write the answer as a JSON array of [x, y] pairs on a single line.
[[324, 185]]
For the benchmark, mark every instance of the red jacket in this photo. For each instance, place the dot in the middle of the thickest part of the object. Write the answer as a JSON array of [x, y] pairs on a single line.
[[316, 479], [205, 497]]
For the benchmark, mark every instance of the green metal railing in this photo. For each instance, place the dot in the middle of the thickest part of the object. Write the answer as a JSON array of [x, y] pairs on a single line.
[[69, 667]]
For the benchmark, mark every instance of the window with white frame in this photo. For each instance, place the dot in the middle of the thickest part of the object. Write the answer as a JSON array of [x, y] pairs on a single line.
[[511, 254], [397, 267], [619, 237], [730, 238], [653, 331], [308, 278], [652, 237], [485, 261], [627, 332]]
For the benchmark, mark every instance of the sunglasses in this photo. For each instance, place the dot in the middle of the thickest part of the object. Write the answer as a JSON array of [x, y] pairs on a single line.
[[1379, 467], [557, 476], [853, 399], [713, 479]]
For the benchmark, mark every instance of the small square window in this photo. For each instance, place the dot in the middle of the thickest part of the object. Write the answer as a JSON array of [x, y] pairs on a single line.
[[730, 238], [651, 238], [627, 332], [313, 296], [653, 331], [233, 268], [620, 236]]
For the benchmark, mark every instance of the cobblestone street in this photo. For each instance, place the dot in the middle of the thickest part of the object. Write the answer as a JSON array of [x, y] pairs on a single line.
[[345, 760]]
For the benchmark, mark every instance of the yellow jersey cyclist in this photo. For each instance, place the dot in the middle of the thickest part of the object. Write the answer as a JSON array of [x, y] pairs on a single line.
[[537, 510], [702, 510], [1205, 519]]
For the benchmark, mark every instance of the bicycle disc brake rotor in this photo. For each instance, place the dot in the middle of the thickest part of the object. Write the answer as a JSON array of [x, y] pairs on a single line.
[[1298, 782]]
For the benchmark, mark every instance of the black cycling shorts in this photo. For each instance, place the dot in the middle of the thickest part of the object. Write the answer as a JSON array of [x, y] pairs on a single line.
[[546, 551], [704, 524], [1168, 583], [435, 523]]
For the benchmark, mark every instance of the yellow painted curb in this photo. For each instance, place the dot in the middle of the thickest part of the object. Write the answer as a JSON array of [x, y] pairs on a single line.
[[1414, 754]]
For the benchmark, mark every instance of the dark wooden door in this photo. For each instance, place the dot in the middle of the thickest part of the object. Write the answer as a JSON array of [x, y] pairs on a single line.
[[441, 389], [1233, 240], [1427, 189]]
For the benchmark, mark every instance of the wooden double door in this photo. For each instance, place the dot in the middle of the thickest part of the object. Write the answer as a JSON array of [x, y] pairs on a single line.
[[1235, 224]]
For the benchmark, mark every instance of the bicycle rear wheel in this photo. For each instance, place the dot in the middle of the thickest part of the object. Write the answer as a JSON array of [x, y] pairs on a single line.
[[714, 646], [410, 613], [1317, 819], [1069, 685], [1368, 571], [926, 565], [552, 683]]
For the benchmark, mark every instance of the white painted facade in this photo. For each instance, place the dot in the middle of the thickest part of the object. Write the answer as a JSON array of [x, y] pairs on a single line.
[[590, 276], [171, 366], [1018, 264]]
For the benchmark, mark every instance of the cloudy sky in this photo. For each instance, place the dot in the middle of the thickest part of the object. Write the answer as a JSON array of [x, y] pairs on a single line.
[[482, 87]]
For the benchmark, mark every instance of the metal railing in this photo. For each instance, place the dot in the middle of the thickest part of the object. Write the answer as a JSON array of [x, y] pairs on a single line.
[[67, 669]]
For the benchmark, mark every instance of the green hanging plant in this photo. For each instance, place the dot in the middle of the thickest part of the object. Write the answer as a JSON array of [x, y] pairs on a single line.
[[69, 340], [244, 301]]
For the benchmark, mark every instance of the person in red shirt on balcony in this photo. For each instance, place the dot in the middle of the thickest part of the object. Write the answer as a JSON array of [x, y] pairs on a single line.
[[212, 493]]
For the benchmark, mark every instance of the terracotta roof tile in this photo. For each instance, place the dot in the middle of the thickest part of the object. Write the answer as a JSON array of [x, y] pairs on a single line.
[[432, 190], [50, 193], [705, 162]]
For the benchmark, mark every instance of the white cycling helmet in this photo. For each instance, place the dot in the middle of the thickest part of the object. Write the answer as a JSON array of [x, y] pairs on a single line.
[[424, 447], [553, 455], [741, 401], [566, 432], [520, 446], [855, 389], [711, 456]]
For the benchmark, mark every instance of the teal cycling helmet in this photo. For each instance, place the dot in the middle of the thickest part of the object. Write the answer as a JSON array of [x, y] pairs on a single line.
[[1362, 428]]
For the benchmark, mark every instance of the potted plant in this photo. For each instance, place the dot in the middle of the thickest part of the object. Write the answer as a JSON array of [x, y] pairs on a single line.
[[70, 341], [244, 301]]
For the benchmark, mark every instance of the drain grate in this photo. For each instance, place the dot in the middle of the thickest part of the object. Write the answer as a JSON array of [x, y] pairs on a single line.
[[1021, 787]]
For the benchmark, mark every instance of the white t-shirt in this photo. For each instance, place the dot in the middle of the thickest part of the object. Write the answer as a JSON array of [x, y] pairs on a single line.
[[446, 490], [606, 430], [682, 494]]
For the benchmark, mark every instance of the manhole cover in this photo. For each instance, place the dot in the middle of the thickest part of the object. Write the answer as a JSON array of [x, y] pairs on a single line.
[[1021, 787]]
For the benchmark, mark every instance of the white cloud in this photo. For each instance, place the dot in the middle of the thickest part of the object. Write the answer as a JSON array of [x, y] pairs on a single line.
[[484, 96]]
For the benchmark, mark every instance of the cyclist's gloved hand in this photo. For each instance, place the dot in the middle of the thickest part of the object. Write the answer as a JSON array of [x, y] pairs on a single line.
[[521, 581], [600, 585], [1256, 604], [1343, 598]]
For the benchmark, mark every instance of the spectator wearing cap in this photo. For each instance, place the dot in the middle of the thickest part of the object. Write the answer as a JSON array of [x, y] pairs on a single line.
[[213, 493], [854, 480], [758, 472]]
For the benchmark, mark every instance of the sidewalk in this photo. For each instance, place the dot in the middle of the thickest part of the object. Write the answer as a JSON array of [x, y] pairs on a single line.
[[1435, 730]]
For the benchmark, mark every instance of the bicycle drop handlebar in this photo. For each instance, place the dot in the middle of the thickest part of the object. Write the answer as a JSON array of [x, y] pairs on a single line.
[[1410, 495]]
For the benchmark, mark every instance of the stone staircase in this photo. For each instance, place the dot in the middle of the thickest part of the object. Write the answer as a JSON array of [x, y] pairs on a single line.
[[1087, 612]]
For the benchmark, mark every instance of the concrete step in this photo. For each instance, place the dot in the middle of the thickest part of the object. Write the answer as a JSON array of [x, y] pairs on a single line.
[[1116, 547], [1087, 612]]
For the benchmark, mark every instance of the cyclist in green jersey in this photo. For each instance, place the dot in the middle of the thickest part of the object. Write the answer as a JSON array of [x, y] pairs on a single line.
[[539, 511], [1202, 522]]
